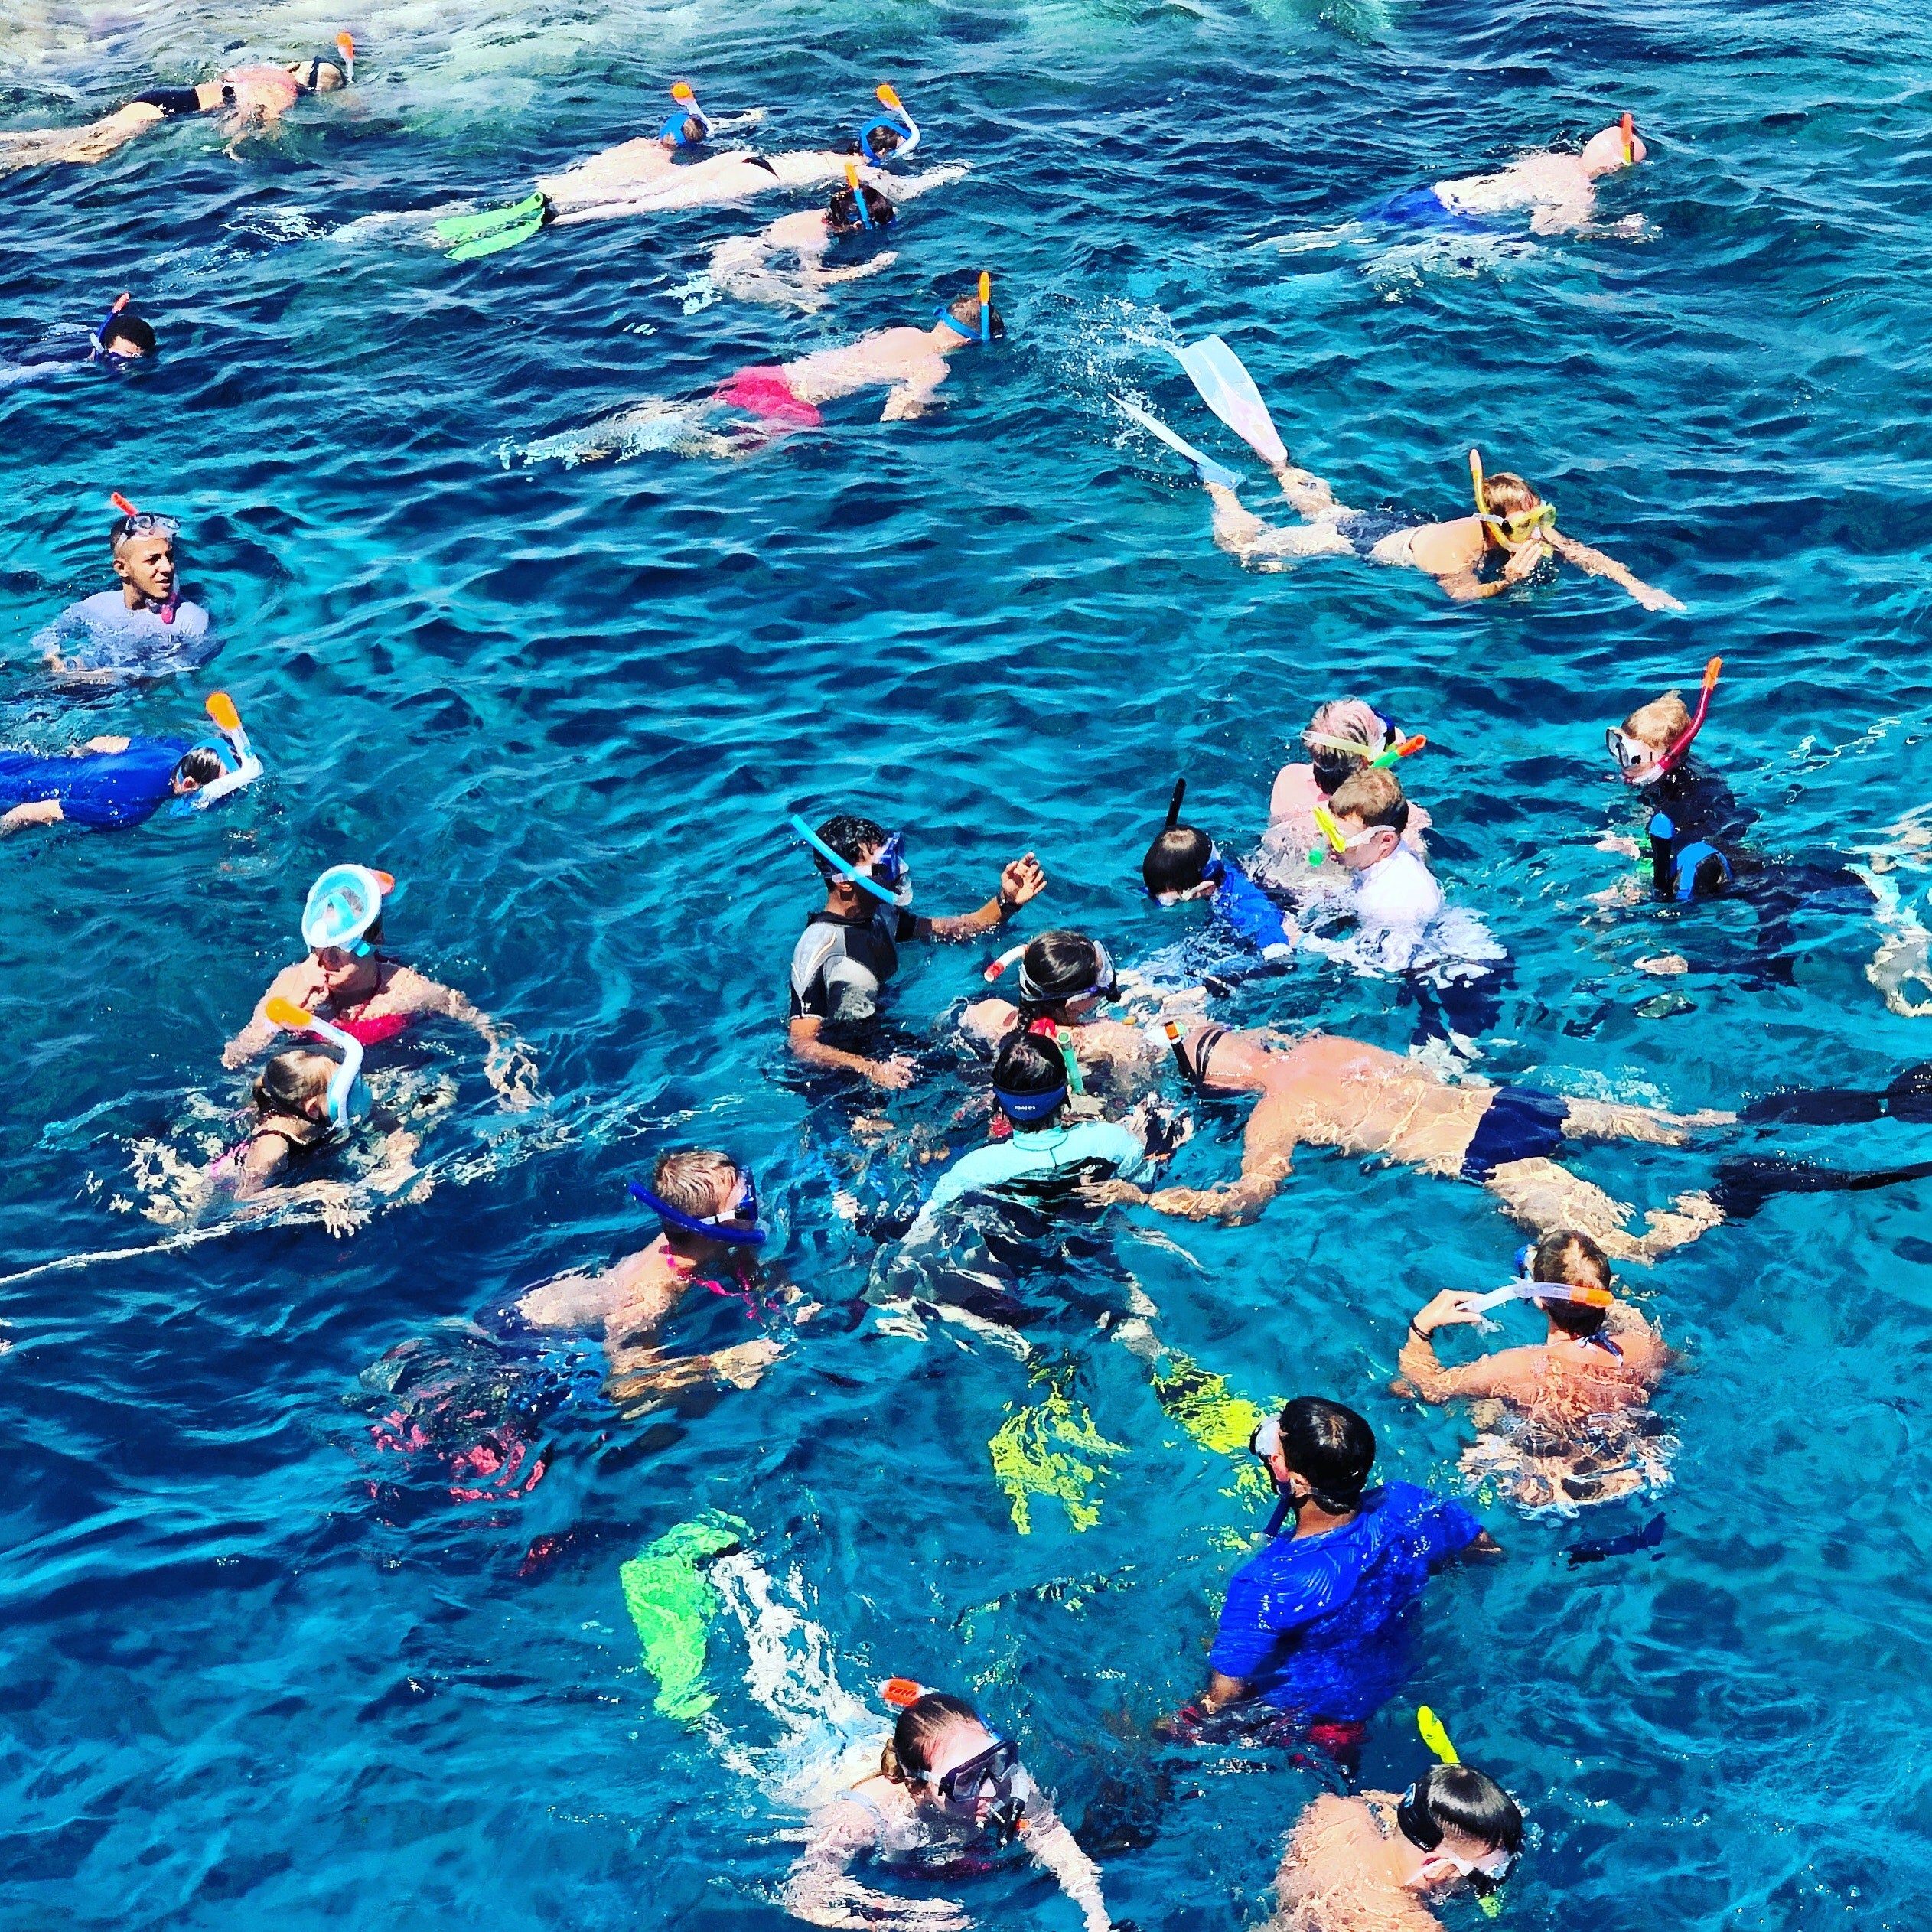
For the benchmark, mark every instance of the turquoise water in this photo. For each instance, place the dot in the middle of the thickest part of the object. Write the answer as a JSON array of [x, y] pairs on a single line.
[[570, 708]]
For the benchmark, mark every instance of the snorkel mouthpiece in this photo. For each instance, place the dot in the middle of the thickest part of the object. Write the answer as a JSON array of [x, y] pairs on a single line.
[[296, 1019]]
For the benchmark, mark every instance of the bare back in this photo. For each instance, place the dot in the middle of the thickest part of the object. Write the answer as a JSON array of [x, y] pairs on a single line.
[[1539, 180], [892, 356], [1337, 1875]]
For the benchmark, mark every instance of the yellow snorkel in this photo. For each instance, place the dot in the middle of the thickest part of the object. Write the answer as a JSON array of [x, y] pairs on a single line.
[[1331, 833], [1514, 528]]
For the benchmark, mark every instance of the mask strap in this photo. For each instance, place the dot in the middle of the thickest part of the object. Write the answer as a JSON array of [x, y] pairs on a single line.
[[844, 865], [690, 1224]]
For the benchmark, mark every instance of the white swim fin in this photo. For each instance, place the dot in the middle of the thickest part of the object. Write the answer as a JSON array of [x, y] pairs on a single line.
[[1210, 470], [1229, 390]]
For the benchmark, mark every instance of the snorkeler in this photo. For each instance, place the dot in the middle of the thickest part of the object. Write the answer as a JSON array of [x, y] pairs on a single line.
[[144, 628], [850, 946], [1183, 864], [949, 1798], [1343, 736], [1577, 1427], [1512, 524], [305, 1103], [1314, 1633], [1064, 979], [1324, 1091], [254, 98], [1377, 1860], [652, 175], [741, 266], [111, 782], [124, 337], [367, 995], [1559, 190], [770, 400]]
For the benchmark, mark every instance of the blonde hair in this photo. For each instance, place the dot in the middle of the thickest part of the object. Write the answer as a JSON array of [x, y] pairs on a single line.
[[1507, 494], [1661, 723], [1373, 797], [695, 1181]]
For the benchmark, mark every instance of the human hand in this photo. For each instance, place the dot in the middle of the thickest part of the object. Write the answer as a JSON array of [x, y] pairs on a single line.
[[743, 1364], [510, 1068], [1523, 561], [1024, 879], [1656, 600], [342, 1213], [1617, 842], [234, 1053], [106, 744], [1449, 1309], [895, 1072], [1112, 1194]]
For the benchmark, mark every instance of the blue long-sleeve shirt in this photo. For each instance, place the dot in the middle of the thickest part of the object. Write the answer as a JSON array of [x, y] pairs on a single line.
[[1255, 918], [1322, 1625]]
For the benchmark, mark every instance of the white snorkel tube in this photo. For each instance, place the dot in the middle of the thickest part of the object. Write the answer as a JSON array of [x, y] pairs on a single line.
[[888, 99], [246, 769], [342, 1082]]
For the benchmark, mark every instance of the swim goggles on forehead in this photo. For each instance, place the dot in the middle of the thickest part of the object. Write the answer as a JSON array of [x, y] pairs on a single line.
[[239, 766], [904, 126], [139, 522], [943, 314], [737, 1223], [889, 877], [687, 109], [342, 1109]]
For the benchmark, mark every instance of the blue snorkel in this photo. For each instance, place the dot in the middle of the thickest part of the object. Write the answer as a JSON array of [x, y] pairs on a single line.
[[892, 854], [715, 1227], [343, 1095], [858, 195]]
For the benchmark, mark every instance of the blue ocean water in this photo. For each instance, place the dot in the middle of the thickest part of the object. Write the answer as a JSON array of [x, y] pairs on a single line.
[[570, 708]]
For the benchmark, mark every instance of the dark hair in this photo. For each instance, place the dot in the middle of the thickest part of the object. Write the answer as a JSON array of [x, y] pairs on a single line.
[[1332, 1447], [841, 213], [200, 762], [1458, 1797], [851, 838], [1177, 862], [965, 309], [127, 327], [1060, 965], [1332, 770], [908, 1758], [1562, 1256], [285, 1085], [1031, 1063]]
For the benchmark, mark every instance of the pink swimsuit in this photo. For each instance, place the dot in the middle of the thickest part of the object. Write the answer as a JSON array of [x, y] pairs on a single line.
[[763, 392]]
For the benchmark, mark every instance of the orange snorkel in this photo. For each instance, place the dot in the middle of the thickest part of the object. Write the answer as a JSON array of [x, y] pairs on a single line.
[[1629, 126]]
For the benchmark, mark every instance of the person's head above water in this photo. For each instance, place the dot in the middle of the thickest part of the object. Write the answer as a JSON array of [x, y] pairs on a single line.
[[1513, 514], [342, 925], [687, 126], [295, 1084], [1063, 975], [843, 216], [1030, 1080], [1614, 148], [1644, 742], [1370, 810], [944, 1755], [1176, 866], [200, 765], [143, 547], [704, 1199], [1463, 1823], [1342, 737], [862, 847], [968, 319], [1573, 1258], [320, 76], [127, 334], [1317, 1451]]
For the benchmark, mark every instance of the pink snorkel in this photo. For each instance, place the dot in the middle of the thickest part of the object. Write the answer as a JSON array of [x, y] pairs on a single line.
[[1681, 750]]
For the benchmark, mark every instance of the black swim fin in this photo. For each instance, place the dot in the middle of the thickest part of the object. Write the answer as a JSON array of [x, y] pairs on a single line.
[[1744, 1184]]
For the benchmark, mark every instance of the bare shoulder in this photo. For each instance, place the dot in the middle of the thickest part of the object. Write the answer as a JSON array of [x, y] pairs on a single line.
[[1443, 549], [989, 1019]]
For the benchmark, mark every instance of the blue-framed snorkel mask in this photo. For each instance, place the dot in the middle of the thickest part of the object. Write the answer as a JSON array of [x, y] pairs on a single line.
[[889, 878], [729, 1226], [342, 905], [902, 125], [687, 112], [239, 766], [943, 314]]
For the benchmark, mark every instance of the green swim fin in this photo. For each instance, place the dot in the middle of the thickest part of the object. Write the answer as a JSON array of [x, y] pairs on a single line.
[[670, 1602], [493, 230]]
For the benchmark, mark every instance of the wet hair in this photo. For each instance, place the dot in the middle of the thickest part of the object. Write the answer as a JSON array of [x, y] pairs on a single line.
[[695, 1181], [136, 330], [1460, 1798], [908, 1758], [1030, 1063], [201, 762], [851, 838], [1572, 1258], [1355, 719], [325, 77], [1331, 1447], [288, 1083], [841, 213], [884, 142], [1372, 797], [1661, 723], [965, 309], [1177, 862], [1062, 966], [1507, 495]]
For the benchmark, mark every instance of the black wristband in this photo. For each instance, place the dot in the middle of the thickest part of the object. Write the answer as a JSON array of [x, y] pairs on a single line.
[[1421, 1335]]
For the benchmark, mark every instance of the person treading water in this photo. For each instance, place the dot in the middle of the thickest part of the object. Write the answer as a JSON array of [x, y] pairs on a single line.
[[254, 99], [1559, 189]]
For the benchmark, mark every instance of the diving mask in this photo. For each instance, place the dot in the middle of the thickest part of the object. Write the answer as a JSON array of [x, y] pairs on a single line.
[[342, 905], [139, 522], [905, 127], [943, 314], [1334, 839], [737, 1223], [239, 766], [888, 878], [687, 110], [1105, 984]]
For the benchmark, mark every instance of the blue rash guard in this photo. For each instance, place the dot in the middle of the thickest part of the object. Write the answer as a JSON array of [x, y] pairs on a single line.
[[1319, 1626], [1255, 918], [97, 788]]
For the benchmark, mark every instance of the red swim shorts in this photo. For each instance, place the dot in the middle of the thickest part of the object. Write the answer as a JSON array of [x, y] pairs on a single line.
[[765, 392]]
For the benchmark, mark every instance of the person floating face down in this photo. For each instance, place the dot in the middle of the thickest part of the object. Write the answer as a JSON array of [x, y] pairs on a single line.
[[1380, 1859], [1558, 190], [949, 1796], [144, 626], [1315, 1632], [743, 267], [1343, 735], [1183, 864], [1577, 1400], [345, 980], [850, 946]]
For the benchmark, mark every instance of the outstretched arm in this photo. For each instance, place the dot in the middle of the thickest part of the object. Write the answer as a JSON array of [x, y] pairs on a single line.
[[508, 1065], [801, 1035], [818, 1890], [46, 811], [1598, 564], [1052, 1845], [1019, 882]]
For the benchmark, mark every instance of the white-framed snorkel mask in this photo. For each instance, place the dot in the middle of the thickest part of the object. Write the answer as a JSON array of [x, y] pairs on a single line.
[[239, 766], [895, 889], [348, 1100], [341, 907]]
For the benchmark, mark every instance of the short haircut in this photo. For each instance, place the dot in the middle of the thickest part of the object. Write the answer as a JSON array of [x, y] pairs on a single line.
[[127, 327], [695, 1181], [1458, 1797], [965, 309], [1373, 797], [200, 762], [1507, 495], [1061, 964], [1661, 723], [1177, 862], [851, 837], [842, 212], [1030, 1064], [1331, 1446], [1572, 1258]]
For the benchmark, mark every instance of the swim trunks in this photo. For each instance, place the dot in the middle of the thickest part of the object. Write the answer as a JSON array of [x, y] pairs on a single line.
[[1423, 208], [1365, 528], [764, 392], [175, 100], [1520, 1124]]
